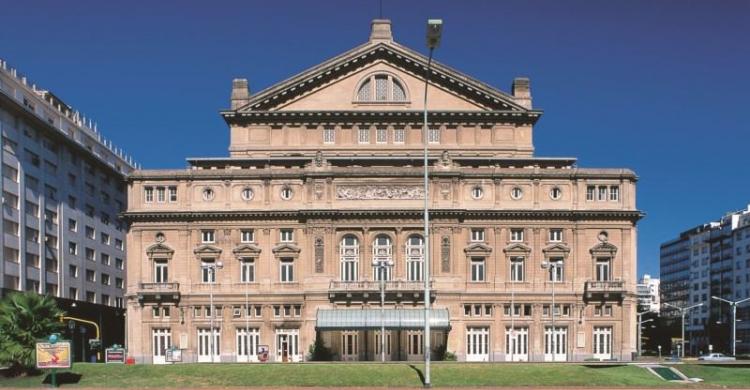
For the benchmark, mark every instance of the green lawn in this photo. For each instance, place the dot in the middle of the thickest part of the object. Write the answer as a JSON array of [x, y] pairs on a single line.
[[373, 374]]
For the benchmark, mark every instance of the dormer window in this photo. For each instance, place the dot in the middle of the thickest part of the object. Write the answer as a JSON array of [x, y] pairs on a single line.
[[381, 88]]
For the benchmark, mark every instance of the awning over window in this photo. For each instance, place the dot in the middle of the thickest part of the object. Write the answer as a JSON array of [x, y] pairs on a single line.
[[370, 319]]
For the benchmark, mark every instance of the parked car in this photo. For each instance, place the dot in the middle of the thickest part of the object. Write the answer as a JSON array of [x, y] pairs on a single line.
[[716, 357]]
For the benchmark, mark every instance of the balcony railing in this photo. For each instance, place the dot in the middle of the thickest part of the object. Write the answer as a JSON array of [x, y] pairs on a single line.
[[605, 288], [159, 287], [395, 290], [158, 291]]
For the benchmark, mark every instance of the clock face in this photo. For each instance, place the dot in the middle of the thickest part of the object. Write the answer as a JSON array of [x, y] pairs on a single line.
[[603, 236]]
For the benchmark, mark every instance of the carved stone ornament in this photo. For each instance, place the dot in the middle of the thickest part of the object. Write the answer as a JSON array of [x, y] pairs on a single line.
[[379, 192]]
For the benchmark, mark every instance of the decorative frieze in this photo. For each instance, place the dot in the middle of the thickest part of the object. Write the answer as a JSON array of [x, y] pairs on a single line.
[[379, 192]]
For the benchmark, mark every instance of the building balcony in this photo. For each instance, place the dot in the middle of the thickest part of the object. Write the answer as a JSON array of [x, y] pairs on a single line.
[[158, 292], [605, 289], [369, 290]]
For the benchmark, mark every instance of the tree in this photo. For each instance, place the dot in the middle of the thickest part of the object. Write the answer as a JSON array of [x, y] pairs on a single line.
[[25, 318]]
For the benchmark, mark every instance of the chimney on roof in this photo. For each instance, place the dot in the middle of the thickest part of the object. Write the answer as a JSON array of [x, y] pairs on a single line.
[[522, 91], [381, 31], [240, 93]]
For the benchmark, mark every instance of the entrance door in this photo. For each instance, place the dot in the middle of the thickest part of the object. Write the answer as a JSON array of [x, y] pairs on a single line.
[[162, 339], [350, 345], [478, 344], [247, 344], [517, 344], [414, 349], [287, 341], [603, 342], [387, 345], [208, 349], [555, 344]]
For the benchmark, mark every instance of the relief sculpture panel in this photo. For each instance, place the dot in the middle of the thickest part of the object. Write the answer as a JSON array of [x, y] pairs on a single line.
[[379, 192]]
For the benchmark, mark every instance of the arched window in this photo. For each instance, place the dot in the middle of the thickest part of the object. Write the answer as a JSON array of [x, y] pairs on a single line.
[[415, 258], [349, 252], [381, 87], [382, 253]]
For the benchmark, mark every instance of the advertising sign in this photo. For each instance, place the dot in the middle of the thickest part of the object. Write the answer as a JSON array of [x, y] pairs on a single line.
[[53, 355], [114, 355], [263, 353], [173, 355]]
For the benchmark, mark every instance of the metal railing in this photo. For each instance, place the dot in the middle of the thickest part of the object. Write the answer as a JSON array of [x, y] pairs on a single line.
[[374, 285], [605, 285], [159, 287]]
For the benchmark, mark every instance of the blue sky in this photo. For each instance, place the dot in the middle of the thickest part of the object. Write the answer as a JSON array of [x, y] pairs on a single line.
[[657, 86]]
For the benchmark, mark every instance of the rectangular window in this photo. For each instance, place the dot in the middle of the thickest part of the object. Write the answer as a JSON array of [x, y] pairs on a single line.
[[73, 293], [10, 173], [90, 296], [602, 193], [105, 279], [208, 236], [32, 209], [477, 234], [399, 135], [555, 235], [72, 271], [161, 194], [286, 270], [246, 235], [72, 248], [517, 268], [161, 271], [329, 135], [90, 275], [10, 227], [90, 233], [149, 194], [208, 271], [118, 244], [10, 200], [172, 194], [286, 235], [104, 238], [602, 269], [119, 263], [381, 135], [590, 190], [434, 135], [364, 135], [556, 270], [477, 269], [247, 270], [90, 254], [614, 193], [119, 283], [104, 258], [516, 235]]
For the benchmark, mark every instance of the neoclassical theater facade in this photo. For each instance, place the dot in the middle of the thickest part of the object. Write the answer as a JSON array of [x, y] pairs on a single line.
[[255, 256]]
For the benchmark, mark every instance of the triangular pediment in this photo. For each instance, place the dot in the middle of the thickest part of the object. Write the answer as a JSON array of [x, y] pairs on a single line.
[[332, 85], [286, 249], [246, 250], [207, 251], [603, 249], [517, 247], [556, 248], [478, 248], [159, 250]]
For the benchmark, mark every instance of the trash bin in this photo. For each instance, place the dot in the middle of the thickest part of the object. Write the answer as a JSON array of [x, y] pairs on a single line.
[[93, 358]]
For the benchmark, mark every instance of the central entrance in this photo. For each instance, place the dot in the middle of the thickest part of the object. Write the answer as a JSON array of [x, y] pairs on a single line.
[[287, 345]]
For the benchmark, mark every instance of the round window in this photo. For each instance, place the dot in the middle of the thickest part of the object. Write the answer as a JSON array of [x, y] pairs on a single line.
[[286, 193], [247, 193], [516, 193], [555, 193], [208, 194], [477, 192]]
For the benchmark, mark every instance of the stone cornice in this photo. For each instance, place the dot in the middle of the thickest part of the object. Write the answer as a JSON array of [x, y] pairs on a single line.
[[401, 172], [631, 216], [366, 117]]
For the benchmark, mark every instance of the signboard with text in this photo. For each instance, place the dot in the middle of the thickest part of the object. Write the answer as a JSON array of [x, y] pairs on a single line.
[[53, 355], [173, 355], [114, 355]]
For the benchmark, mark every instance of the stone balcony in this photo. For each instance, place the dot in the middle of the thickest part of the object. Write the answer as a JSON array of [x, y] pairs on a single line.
[[158, 292], [369, 291], [605, 290]]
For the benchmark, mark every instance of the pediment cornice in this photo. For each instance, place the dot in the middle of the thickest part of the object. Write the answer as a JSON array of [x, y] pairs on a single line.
[[286, 250], [603, 249], [517, 247], [478, 249], [246, 250], [393, 53], [556, 249], [160, 250], [207, 251]]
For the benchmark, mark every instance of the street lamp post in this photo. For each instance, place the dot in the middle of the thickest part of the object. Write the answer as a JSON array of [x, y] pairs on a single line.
[[640, 324], [211, 268], [434, 32], [734, 319], [553, 269], [683, 312], [381, 265]]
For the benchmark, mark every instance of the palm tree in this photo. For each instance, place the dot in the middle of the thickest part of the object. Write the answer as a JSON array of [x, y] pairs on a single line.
[[25, 318]]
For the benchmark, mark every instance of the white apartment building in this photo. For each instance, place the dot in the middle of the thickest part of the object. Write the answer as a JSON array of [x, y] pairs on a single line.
[[62, 191]]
